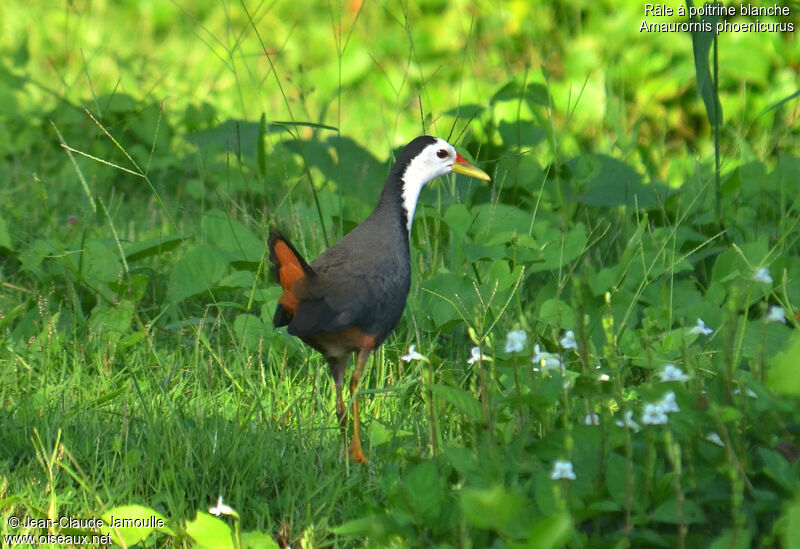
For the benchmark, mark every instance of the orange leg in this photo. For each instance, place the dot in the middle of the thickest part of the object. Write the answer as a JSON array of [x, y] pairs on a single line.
[[338, 366], [341, 413], [356, 452]]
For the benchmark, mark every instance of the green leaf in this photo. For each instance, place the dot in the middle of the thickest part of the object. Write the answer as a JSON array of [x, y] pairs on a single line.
[[154, 246], [139, 522], [731, 539], [210, 531], [493, 218], [459, 398], [458, 218], [379, 434], [701, 46], [446, 296], [249, 330], [549, 533], [258, 540], [556, 313], [261, 156], [238, 243], [668, 512], [370, 526], [100, 261], [422, 491], [492, 508], [197, 271], [610, 182], [108, 323], [783, 376], [5, 238], [779, 469], [789, 524]]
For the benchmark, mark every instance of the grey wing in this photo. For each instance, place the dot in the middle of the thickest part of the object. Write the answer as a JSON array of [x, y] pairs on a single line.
[[345, 295]]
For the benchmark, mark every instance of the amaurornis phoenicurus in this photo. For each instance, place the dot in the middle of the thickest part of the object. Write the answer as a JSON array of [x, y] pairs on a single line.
[[352, 296]]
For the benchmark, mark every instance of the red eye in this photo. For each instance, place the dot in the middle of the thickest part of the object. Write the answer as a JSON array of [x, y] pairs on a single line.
[[441, 153]]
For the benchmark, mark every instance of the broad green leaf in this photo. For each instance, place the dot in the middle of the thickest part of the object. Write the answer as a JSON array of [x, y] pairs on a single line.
[[521, 134], [458, 218], [379, 434], [558, 314], [423, 491], [133, 523], [491, 219], [789, 524], [108, 323], [463, 460], [258, 540], [783, 376], [249, 330], [99, 261], [210, 532], [233, 238], [691, 513], [492, 508], [779, 469], [550, 533], [463, 400], [731, 539], [154, 246], [611, 182], [197, 271], [364, 527], [447, 296], [5, 238]]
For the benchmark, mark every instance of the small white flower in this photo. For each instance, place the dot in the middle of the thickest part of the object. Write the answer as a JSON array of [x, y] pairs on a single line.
[[629, 422], [562, 470], [654, 415], [762, 276], [776, 314], [568, 341], [413, 355], [672, 373], [591, 419], [668, 403], [700, 328], [714, 438], [515, 341], [749, 392], [477, 356], [604, 377], [545, 360], [222, 509]]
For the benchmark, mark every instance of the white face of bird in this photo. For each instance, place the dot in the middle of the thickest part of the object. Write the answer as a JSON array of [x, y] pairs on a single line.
[[435, 160]]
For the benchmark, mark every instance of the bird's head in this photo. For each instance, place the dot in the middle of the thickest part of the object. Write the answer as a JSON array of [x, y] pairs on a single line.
[[424, 159]]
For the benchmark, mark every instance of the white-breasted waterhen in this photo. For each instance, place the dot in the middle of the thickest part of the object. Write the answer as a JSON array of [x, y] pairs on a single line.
[[353, 295]]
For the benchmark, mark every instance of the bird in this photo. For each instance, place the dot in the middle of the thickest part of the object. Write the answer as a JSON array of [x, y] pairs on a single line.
[[351, 297]]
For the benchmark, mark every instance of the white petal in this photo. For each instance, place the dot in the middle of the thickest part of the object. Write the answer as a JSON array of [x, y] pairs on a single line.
[[670, 372], [562, 470], [776, 314], [568, 341], [714, 438], [515, 341], [700, 328], [762, 276]]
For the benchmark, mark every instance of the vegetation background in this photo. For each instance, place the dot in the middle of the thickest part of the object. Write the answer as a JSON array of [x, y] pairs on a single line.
[[147, 147]]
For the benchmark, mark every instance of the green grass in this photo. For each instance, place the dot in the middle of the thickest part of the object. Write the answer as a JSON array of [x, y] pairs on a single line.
[[139, 371]]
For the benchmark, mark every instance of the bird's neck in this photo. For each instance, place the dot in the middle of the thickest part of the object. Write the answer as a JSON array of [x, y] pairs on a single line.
[[401, 192]]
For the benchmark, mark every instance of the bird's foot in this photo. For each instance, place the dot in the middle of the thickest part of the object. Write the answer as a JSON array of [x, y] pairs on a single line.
[[356, 453]]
